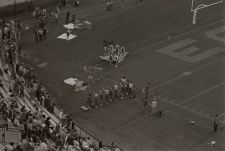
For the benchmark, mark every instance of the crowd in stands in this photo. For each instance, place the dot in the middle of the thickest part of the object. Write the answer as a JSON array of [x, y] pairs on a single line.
[[39, 132]]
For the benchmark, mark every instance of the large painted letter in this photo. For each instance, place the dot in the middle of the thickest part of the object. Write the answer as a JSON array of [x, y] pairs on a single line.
[[214, 34], [183, 51]]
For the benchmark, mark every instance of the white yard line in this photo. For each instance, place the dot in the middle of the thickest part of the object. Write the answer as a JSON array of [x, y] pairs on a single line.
[[182, 75], [177, 36], [169, 81], [164, 100], [192, 71], [185, 108], [221, 115], [165, 40], [201, 93]]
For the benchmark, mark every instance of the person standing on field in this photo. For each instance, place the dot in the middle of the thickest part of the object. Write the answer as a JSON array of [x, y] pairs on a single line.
[[215, 123]]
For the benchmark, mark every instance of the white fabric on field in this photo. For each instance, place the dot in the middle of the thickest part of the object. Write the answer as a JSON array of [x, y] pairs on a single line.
[[78, 84], [69, 26], [71, 81], [84, 108], [64, 36], [106, 58]]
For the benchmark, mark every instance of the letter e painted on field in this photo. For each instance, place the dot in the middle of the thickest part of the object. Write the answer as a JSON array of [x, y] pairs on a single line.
[[183, 50], [215, 34]]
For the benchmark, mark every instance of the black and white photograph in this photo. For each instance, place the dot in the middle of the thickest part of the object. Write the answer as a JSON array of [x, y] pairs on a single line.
[[112, 75]]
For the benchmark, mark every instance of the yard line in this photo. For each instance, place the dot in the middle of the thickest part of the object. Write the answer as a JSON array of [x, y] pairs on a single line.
[[192, 71], [207, 64], [177, 105], [201, 93], [88, 71], [174, 37], [221, 115], [177, 36], [169, 81], [182, 107], [164, 100]]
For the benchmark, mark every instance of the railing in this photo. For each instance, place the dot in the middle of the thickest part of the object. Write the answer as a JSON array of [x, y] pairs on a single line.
[[3, 127], [9, 134], [75, 126]]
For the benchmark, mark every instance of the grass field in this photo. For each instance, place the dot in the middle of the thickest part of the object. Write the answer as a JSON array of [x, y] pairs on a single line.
[[183, 62]]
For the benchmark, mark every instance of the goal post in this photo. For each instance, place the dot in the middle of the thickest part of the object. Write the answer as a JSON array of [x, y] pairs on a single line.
[[195, 7]]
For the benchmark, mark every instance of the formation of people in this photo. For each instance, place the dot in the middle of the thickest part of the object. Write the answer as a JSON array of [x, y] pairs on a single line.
[[114, 53]]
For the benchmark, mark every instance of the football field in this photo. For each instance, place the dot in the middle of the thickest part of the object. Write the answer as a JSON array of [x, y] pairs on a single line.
[[184, 64], [187, 72]]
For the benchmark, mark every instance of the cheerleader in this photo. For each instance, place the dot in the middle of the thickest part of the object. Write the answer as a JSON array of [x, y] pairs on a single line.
[[116, 60], [67, 34]]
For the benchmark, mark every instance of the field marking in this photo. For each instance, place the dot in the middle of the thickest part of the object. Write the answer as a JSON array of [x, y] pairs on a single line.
[[171, 112], [169, 81], [165, 40], [88, 71], [164, 100], [177, 36], [182, 107], [221, 115], [180, 76], [201, 93], [191, 71], [201, 114], [186, 119], [187, 49]]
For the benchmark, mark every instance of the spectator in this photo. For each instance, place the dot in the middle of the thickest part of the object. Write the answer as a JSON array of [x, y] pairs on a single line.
[[215, 123], [89, 101]]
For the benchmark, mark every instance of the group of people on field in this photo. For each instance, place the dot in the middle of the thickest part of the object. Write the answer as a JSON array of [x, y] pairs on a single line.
[[42, 17], [114, 53], [123, 90], [150, 102], [40, 27]]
